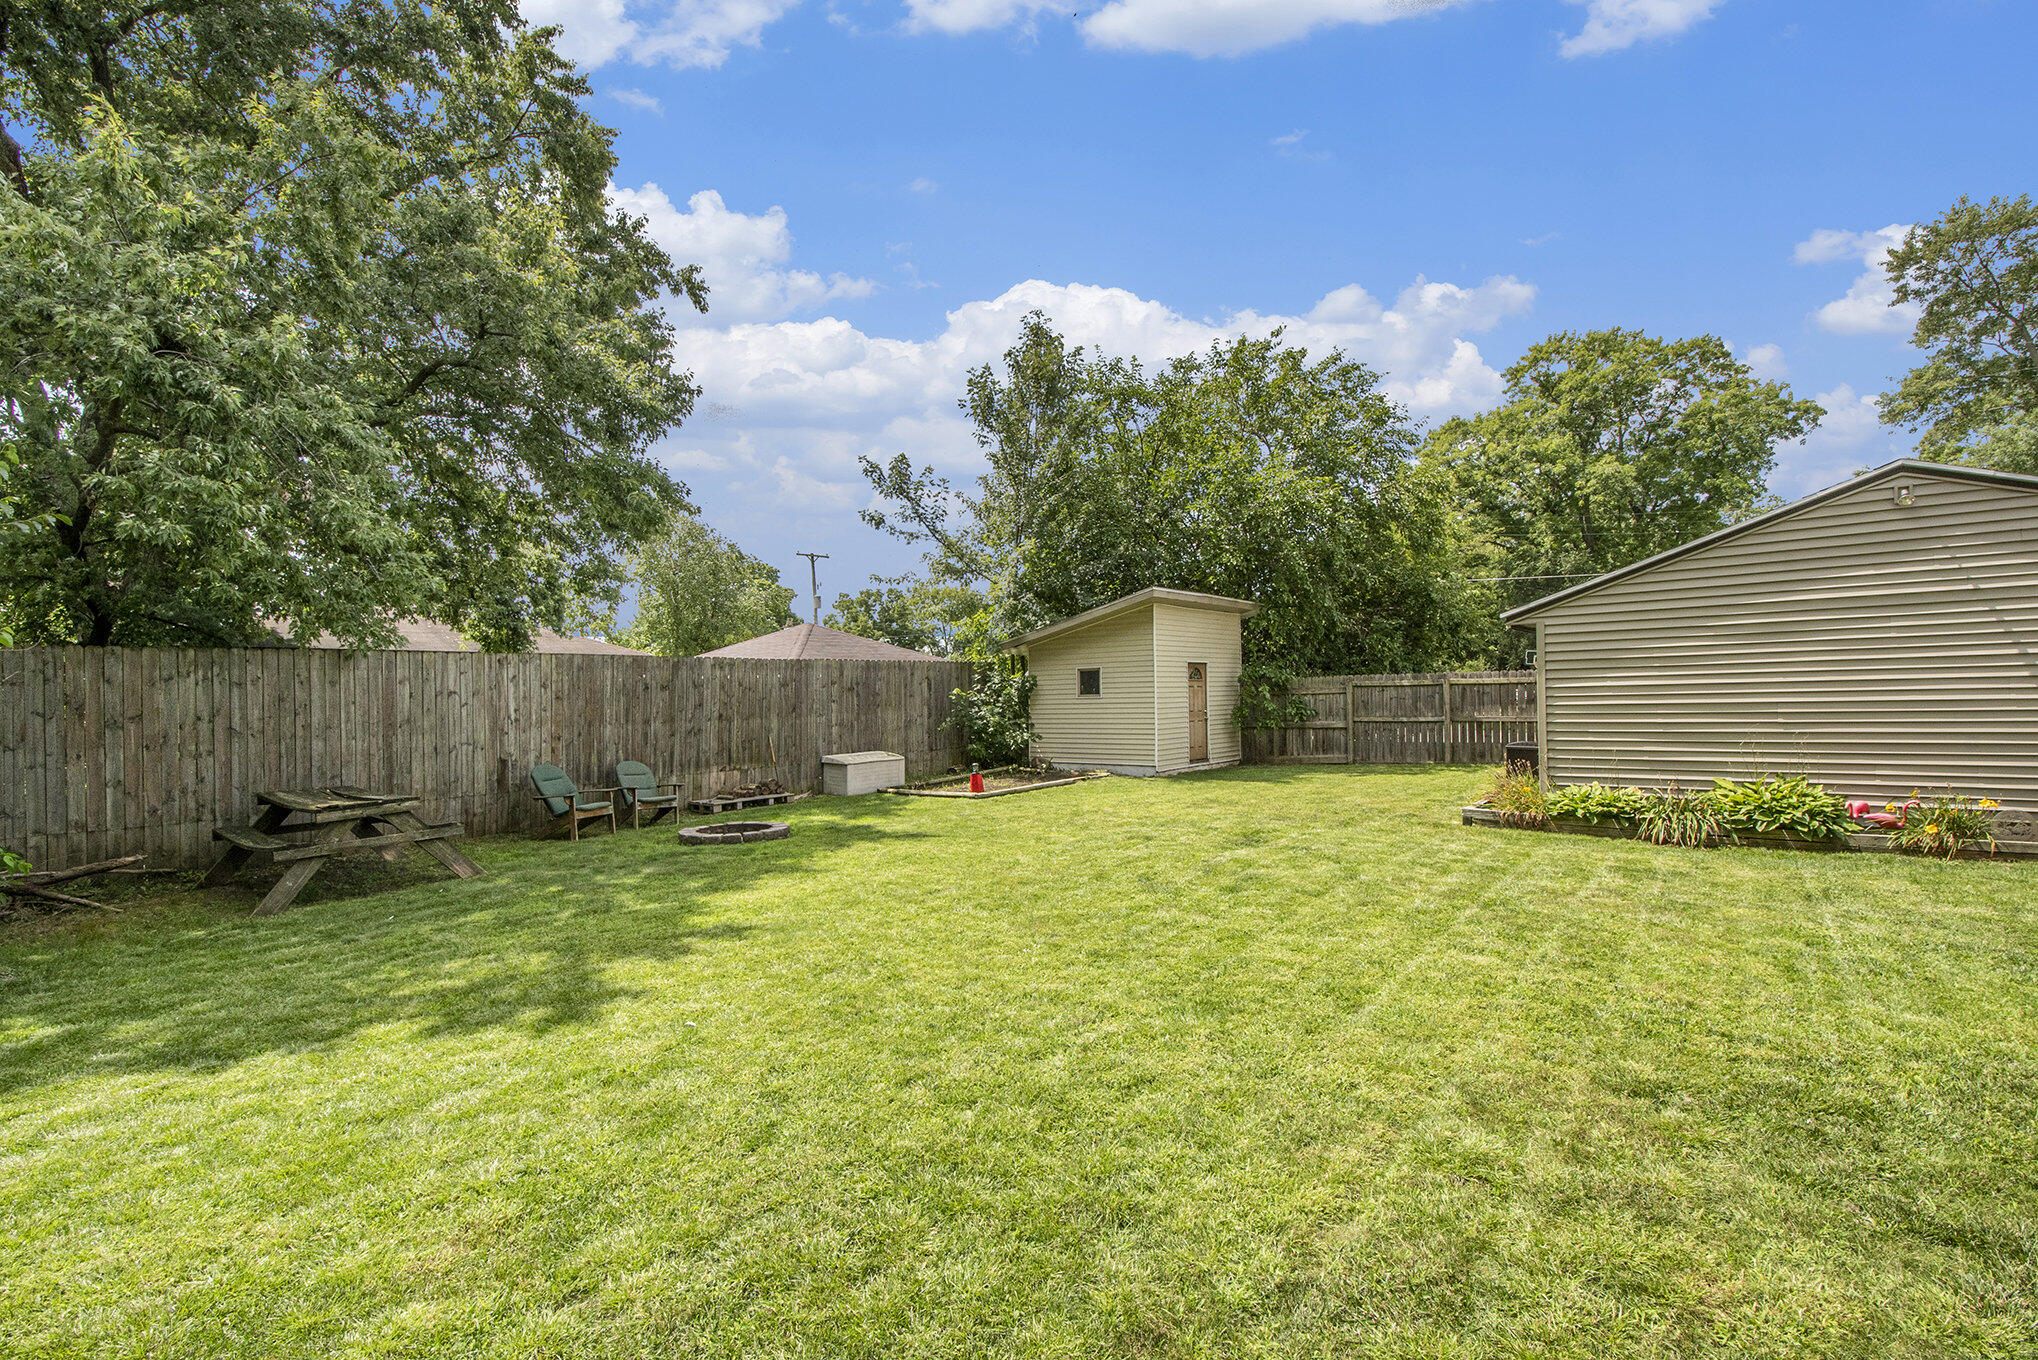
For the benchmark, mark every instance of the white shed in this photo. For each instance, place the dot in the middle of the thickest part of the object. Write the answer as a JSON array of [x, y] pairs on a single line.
[[1142, 686]]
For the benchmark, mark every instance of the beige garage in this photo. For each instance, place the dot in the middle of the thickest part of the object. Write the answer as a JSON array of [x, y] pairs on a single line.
[[1880, 636], [1143, 685]]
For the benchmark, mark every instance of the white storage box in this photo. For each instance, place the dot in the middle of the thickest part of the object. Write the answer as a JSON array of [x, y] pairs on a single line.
[[862, 772]]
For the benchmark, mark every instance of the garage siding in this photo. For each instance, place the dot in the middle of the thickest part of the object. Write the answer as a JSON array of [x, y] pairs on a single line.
[[1875, 647], [1113, 728], [1182, 635]]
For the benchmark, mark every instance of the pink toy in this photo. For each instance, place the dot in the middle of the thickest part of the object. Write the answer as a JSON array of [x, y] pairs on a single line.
[[1887, 821]]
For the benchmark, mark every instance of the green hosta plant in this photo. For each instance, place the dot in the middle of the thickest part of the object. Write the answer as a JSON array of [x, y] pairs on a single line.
[[1673, 817], [1517, 795], [1597, 803], [1947, 825], [1782, 807]]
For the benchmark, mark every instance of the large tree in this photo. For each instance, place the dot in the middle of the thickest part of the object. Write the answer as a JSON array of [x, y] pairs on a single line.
[[1973, 274], [697, 591], [921, 614], [314, 313], [1254, 470], [1610, 447]]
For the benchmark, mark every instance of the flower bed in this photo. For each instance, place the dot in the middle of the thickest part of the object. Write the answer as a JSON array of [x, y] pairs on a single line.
[[998, 782], [1789, 814]]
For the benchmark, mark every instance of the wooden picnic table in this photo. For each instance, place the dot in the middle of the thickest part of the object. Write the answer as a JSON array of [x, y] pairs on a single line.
[[339, 819]]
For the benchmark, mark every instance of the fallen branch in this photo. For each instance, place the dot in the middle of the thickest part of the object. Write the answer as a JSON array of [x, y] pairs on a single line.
[[105, 866], [45, 895], [36, 885]]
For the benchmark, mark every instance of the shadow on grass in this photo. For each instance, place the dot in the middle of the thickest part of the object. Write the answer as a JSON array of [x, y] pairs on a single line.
[[187, 981]]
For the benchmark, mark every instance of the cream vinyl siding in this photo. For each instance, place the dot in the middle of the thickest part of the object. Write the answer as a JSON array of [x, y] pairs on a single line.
[[1111, 728], [1182, 635], [1875, 647]]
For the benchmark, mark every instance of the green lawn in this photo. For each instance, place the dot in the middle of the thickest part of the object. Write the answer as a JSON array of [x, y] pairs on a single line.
[[1267, 1062]]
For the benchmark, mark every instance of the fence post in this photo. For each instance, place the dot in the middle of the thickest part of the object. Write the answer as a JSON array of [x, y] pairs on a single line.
[[1450, 742], [1351, 724]]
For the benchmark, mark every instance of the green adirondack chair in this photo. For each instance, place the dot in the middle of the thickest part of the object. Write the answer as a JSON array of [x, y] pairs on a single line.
[[568, 803], [641, 792]]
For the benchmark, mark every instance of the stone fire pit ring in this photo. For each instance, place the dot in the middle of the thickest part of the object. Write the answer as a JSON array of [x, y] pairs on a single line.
[[733, 833]]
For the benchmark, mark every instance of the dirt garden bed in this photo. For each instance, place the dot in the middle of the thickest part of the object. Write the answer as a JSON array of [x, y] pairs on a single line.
[[998, 782]]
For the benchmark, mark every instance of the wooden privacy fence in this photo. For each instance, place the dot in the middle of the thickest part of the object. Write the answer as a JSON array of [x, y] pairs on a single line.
[[108, 751], [1435, 718]]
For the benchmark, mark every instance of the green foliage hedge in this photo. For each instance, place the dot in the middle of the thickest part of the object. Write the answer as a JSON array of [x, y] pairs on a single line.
[[1769, 806], [995, 712]]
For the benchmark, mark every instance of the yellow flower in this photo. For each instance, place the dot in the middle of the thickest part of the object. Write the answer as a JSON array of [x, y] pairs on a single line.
[[1889, 807], [1990, 803], [1932, 829]]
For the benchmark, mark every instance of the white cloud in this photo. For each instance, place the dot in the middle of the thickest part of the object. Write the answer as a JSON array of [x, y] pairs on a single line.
[[1828, 244], [677, 32], [828, 372], [637, 99], [1200, 28], [702, 33], [1850, 438], [1290, 145], [922, 185], [740, 256], [1767, 361], [592, 32], [790, 403], [968, 16], [1612, 25], [1867, 308]]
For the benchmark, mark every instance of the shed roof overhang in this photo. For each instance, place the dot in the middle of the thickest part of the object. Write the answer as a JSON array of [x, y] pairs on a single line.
[[1188, 599], [1521, 615]]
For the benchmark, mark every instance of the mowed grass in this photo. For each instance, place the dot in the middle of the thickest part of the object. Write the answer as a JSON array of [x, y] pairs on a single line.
[[1256, 1063]]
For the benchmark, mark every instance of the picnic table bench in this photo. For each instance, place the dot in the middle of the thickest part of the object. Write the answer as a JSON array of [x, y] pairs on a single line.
[[340, 819]]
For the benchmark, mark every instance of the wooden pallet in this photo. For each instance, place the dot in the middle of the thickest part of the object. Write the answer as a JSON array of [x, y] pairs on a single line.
[[733, 804]]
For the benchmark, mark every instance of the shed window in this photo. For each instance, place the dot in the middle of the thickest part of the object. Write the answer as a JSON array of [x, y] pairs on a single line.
[[1089, 680]]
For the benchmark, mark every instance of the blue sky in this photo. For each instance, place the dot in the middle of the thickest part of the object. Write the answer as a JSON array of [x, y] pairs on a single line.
[[879, 191]]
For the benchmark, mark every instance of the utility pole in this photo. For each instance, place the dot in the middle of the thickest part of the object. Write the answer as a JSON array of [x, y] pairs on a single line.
[[814, 578]]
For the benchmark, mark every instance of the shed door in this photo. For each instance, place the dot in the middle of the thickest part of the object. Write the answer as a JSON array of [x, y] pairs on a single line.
[[1199, 713]]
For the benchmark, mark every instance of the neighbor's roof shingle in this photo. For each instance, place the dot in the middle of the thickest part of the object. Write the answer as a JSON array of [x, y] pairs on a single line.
[[426, 635], [816, 642]]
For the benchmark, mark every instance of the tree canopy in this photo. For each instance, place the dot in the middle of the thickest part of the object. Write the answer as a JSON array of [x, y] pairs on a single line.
[[697, 591], [317, 313], [923, 615], [1612, 446], [1251, 470], [1973, 274]]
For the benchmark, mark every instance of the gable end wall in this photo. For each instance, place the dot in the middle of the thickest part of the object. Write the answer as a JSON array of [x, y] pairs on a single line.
[[1115, 728], [1874, 647]]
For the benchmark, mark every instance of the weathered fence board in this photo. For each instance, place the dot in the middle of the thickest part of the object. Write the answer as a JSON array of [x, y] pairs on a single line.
[[111, 751], [1425, 719]]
